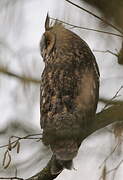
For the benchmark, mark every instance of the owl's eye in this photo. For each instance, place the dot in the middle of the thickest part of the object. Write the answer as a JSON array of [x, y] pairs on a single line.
[[43, 43], [47, 43]]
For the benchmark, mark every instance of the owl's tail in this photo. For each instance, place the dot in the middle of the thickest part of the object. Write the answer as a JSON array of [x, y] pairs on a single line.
[[63, 154]]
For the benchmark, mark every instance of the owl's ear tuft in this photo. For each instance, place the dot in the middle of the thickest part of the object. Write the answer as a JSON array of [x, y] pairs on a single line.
[[47, 21]]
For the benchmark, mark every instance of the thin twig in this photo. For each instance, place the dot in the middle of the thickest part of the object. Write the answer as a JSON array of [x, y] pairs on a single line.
[[115, 96], [114, 102], [104, 162], [114, 149], [107, 51], [7, 162], [89, 12], [21, 138], [14, 144], [89, 29], [114, 169]]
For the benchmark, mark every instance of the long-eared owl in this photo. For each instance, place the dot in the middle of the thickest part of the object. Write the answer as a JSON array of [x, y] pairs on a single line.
[[69, 92]]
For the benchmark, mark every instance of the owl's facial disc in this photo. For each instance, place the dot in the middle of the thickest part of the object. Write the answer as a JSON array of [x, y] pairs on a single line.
[[47, 43]]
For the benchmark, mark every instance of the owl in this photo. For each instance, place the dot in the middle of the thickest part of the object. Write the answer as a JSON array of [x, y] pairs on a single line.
[[69, 93]]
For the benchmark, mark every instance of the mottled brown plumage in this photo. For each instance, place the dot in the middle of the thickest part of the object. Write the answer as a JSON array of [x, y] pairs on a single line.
[[69, 92]]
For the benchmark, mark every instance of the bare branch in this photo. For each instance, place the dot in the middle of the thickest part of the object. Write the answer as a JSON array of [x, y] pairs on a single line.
[[116, 168], [6, 72], [11, 178], [119, 54], [30, 136], [12, 144], [89, 29], [45, 174], [114, 149], [103, 177], [114, 97], [7, 162], [107, 51], [89, 12], [104, 118], [114, 102]]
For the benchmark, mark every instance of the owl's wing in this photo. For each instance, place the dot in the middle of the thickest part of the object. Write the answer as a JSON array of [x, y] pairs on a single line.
[[68, 89], [88, 91]]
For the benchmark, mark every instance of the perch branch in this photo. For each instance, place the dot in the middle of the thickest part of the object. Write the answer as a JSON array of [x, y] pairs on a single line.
[[104, 118], [110, 115], [45, 174]]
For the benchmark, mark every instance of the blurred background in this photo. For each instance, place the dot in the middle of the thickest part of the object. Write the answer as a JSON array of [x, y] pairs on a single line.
[[21, 28]]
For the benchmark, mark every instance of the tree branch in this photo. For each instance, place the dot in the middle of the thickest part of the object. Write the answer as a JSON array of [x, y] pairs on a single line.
[[89, 12], [106, 117], [6, 72], [89, 29], [45, 174], [11, 178], [111, 115]]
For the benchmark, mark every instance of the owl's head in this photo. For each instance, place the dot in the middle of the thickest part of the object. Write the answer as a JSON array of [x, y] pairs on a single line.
[[48, 38], [56, 38]]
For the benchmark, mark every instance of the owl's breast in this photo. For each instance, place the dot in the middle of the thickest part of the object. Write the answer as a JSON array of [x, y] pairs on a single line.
[[68, 90], [58, 89]]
